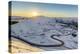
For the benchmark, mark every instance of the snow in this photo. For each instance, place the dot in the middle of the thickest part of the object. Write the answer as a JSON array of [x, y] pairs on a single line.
[[39, 31]]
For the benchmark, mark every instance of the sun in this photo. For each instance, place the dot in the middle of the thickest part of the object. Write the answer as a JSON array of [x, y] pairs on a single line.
[[34, 13]]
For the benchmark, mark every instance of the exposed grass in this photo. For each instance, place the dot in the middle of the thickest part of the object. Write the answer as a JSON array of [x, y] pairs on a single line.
[[13, 22]]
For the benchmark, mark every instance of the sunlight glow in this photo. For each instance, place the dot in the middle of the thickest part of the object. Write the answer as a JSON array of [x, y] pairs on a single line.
[[34, 13]]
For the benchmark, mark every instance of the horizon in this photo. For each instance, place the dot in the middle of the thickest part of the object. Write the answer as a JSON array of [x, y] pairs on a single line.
[[42, 16]]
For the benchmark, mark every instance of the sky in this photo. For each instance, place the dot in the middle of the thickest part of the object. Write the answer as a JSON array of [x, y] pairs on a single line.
[[30, 9]]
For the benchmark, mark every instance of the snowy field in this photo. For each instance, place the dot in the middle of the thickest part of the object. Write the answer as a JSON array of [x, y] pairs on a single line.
[[47, 33]]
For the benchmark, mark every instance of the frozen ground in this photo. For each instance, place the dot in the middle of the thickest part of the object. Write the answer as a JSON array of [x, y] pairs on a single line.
[[38, 32]]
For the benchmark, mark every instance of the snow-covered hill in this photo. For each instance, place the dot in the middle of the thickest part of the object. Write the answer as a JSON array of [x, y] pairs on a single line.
[[40, 30]]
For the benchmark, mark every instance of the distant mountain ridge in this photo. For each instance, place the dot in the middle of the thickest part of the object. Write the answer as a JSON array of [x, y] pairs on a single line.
[[39, 17], [59, 19]]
